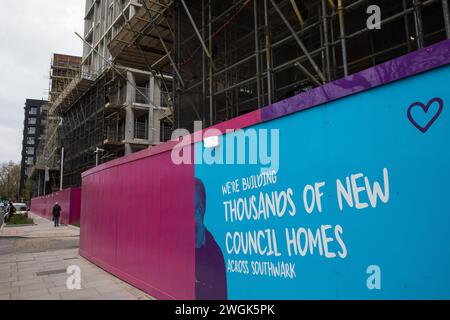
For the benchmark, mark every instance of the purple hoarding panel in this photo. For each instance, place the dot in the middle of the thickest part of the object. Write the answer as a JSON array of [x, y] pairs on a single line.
[[400, 68]]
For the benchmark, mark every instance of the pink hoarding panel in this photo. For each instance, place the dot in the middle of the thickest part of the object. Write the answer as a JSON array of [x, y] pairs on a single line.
[[75, 205], [137, 222], [68, 199]]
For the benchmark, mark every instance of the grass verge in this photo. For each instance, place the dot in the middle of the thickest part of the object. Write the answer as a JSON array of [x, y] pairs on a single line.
[[20, 219]]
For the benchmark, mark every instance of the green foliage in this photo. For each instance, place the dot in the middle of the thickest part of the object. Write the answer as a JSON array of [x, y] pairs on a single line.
[[28, 191], [9, 180], [19, 219]]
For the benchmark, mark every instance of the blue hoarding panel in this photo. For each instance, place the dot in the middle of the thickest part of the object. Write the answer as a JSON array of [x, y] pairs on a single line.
[[348, 200]]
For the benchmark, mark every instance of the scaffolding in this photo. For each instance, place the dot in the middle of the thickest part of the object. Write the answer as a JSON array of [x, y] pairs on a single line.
[[238, 56], [63, 70], [82, 131], [152, 66]]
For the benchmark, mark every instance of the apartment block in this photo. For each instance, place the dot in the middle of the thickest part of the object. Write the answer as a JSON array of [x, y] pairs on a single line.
[[34, 124]]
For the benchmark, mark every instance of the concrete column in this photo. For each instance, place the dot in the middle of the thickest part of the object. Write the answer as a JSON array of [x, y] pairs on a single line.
[[129, 117], [154, 126], [151, 110], [119, 96]]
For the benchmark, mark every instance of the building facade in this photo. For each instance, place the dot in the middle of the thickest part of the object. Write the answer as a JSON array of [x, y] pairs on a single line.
[[118, 104], [64, 68], [45, 173], [34, 124], [135, 103]]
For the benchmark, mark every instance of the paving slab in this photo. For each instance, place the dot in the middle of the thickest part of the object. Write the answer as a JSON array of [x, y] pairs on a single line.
[[5, 297], [118, 296], [83, 294], [31, 294], [34, 262]]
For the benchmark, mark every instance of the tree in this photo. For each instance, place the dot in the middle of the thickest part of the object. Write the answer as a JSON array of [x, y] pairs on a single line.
[[28, 191], [9, 180]]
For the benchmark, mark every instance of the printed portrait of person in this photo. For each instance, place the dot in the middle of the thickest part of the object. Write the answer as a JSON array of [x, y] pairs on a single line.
[[210, 272]]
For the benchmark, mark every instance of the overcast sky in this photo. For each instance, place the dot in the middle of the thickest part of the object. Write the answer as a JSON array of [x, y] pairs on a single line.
[[31, 31]]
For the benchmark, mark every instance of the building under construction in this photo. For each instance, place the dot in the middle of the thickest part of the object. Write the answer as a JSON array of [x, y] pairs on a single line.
[[114, 107], [156, 65], [46, 171], [235, 56]]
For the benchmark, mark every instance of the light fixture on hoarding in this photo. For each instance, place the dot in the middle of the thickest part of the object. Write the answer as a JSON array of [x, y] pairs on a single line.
[[211, 142]]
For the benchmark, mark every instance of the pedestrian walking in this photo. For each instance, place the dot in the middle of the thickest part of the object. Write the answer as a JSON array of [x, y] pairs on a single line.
[[11, 211], [56, 214]]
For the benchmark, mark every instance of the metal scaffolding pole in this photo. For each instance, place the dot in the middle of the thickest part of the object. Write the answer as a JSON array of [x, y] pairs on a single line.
[[268, 53], [169, 55], [418, 23], [445, 8], [211, 66], [307, 73], [326, 40], [176, 97], [39, 185], [298, 13], [299, 42], [62, 170], [191, 19], [343, 37], [45, 182], [204, 64], [257, 54], [406, 22]]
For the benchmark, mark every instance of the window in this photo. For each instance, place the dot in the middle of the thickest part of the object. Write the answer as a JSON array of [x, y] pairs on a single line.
[[31, 130], [30, 140], [32, 120], [30, 151], [30, 161], [33, 110]]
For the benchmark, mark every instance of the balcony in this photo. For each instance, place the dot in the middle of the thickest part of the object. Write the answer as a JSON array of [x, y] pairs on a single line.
[[114, 137], [116, 101]]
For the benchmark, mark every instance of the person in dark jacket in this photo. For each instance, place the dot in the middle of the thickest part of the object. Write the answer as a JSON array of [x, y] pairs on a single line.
[[11, 210], [56, 214]]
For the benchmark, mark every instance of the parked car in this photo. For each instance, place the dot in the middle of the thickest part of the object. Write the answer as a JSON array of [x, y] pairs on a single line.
[[2, 213], [21, 208]]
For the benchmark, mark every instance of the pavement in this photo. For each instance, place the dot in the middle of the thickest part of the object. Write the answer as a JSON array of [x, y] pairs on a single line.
[[34, 262]]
